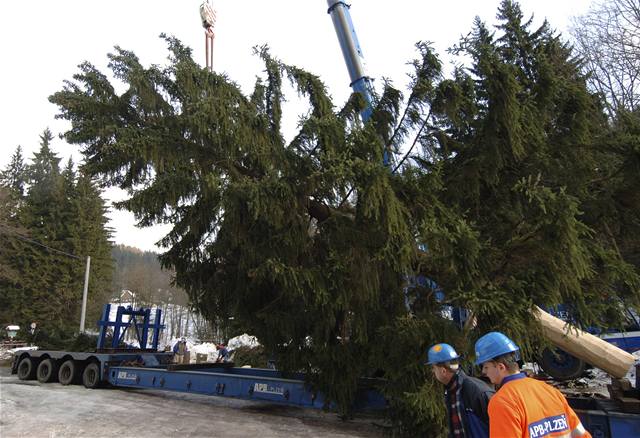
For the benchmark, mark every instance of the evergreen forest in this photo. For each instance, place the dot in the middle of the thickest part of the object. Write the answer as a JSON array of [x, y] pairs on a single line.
[[51, 219]]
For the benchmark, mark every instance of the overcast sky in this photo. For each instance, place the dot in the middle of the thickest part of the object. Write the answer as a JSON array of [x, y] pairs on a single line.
[[44, 41]]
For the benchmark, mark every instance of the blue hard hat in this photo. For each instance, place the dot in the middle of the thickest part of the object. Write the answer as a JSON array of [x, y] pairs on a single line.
[[492, 345], [440, 353]]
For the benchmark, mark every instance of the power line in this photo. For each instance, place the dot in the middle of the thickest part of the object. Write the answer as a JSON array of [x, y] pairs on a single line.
[[26, 239]]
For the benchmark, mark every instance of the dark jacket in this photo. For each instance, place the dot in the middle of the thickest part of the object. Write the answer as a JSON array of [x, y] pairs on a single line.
[[475, 395]]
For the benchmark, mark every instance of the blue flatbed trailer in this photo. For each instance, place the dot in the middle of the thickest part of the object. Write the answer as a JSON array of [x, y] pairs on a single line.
[[147, 370]]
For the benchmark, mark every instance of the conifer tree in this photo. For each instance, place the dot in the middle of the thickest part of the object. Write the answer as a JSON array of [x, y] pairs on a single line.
[[10, 232], [604, 39], [90, 235], [14, 176], [49, 289], [12, 185], [45, 279], [47, 235], [528, 155]]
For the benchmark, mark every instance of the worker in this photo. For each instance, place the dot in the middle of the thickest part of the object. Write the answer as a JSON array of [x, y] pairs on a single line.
[[223, 353], [180, 350], [466, 398], [522, 406]]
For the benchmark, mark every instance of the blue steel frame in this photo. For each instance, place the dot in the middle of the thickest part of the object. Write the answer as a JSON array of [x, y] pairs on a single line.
[[120, 327]]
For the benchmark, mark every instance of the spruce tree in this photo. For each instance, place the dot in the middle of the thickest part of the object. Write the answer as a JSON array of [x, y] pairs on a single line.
[[12, 186], [10, 234], [47, 235], [89, 235], [529, 153], [44, 277], [14, 176]]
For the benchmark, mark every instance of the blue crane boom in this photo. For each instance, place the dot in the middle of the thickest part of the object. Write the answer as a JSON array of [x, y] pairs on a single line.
[[352, 52]]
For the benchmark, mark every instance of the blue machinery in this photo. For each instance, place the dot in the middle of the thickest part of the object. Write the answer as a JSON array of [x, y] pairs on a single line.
[[221, 379], [352, 53], [120, 327]]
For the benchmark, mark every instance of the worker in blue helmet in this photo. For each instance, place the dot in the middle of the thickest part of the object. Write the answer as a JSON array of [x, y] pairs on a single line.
[[466, 398], [522, 407]]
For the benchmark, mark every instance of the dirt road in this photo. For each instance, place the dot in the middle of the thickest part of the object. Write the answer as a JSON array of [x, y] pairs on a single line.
[[31, 409]]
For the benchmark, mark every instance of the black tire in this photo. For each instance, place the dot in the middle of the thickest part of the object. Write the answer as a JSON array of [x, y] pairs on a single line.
[[47, 371], [561, 365], [91, 376], [68, 372], [26, 369]]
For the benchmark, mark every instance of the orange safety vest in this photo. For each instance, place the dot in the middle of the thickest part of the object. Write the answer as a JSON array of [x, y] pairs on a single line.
[[527, 408]]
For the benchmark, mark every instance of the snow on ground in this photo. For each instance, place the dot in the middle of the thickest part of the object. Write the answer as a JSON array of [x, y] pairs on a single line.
[[10, 353], [211, 349], [631, 375], [207, 348], [243, 340]]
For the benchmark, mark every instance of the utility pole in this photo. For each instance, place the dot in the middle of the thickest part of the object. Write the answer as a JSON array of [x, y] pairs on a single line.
[[84, 294]]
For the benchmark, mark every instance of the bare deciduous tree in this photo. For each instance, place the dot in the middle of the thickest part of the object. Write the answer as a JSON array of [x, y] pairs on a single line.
[[608, 39]]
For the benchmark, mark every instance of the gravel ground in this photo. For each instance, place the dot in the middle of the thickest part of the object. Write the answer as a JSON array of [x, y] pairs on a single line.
[[31, 409]]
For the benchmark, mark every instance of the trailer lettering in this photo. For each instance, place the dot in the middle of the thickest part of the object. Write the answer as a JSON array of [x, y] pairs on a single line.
[[265, 388], [124, 375]]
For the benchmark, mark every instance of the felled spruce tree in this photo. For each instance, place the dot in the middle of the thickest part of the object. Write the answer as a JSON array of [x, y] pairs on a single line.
[[264, 231], [310, 244]]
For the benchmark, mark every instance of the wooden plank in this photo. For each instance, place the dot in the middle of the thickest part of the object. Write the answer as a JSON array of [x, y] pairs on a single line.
[[585, 346]]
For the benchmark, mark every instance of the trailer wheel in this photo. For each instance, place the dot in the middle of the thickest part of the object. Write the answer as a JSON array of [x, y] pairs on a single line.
[[561, 365], [91, 376], [47, 371], [26, 369], [68, 372]]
